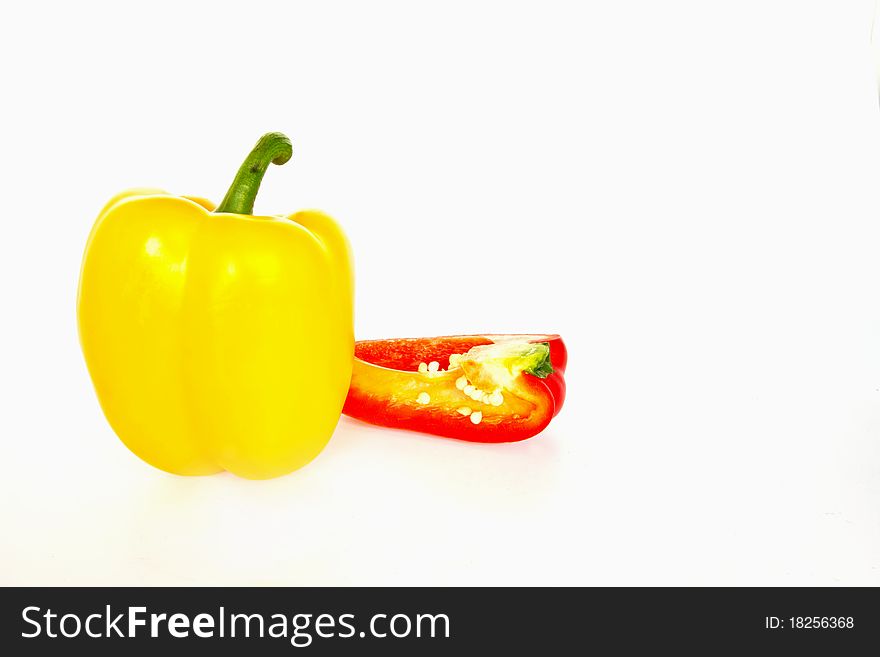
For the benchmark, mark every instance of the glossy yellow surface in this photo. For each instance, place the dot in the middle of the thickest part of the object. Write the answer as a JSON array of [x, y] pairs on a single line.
[[217, 341]]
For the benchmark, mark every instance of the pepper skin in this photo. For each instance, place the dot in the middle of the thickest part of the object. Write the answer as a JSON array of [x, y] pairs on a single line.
[[479, 388], [216, 339]]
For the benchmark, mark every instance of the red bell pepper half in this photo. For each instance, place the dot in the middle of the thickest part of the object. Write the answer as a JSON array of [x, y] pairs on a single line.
[[481, 388]]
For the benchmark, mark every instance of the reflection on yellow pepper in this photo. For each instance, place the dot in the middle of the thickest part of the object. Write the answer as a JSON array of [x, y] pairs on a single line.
[[218, 340]]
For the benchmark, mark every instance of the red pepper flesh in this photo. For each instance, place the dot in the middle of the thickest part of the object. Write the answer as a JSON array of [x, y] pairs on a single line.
[[478, 388]]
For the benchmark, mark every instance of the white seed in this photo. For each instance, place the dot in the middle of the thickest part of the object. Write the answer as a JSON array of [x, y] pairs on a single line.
[[464, 410], [496, 398], [453, 360], [423, 398], [423, 367], [476, 394], [461, 382], [433, 366], [468, 390], [476, 417]]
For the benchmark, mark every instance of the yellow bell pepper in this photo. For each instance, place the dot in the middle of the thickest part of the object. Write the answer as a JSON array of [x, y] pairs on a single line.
[[215, 339]]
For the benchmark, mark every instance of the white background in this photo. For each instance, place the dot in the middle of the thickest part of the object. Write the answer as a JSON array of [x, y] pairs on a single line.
[[686, 191]]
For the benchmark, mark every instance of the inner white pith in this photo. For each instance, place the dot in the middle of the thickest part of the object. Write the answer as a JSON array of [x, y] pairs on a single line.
[[493, 397]]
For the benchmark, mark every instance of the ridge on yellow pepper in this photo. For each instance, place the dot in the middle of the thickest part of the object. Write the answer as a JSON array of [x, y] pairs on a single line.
[[217, 339]]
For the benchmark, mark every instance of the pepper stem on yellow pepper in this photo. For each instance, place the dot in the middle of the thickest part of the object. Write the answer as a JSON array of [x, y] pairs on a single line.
[[273, 147]]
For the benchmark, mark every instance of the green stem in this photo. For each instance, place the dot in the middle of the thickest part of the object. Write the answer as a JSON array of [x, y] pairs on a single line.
[[273, 147]]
